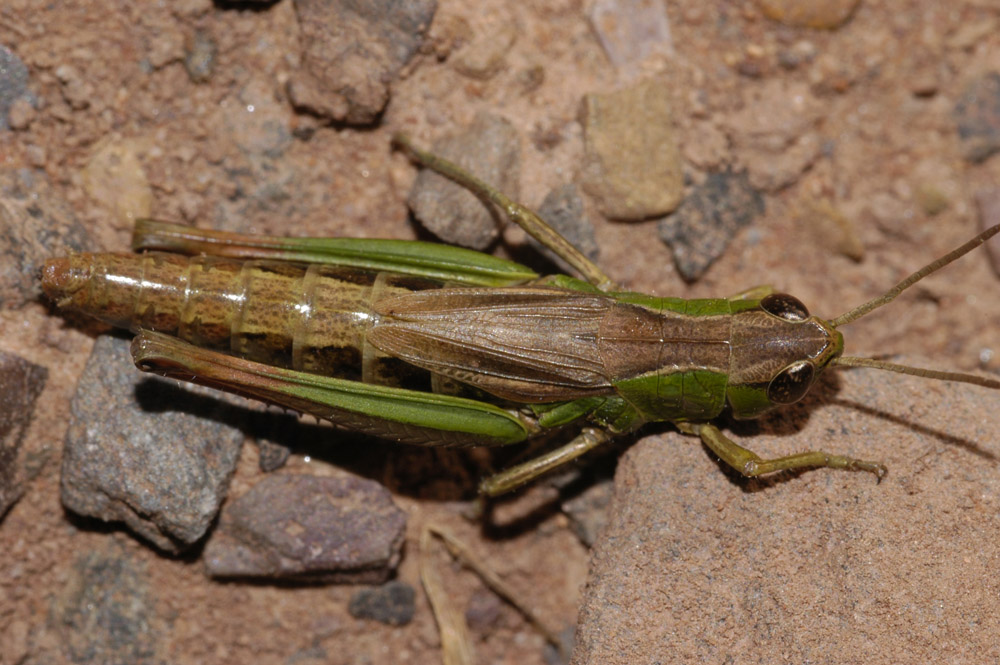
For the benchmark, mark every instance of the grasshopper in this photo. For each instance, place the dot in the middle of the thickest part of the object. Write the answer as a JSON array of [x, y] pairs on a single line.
[[437, 345]]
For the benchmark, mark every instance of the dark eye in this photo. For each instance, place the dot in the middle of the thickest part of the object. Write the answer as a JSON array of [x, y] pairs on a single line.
[[791, 384], [784, 306]]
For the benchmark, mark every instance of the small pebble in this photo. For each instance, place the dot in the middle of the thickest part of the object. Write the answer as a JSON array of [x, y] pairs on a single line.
[[701, 229], [490, 150], [165, 47], [629, 31], [925, 82], [801, 52], [485, 56], [632, 164], [21, 114], [484, 610], [833, 227], [272, 455], [114, 176], [706, 146], [13, 82], [199, 56], [977, 116], [147, 451], [106, 611], [392, 603], [563, 210], [352, 51], [531, 78], [827, 15], [76, 90], [774, 135], [931, 199]]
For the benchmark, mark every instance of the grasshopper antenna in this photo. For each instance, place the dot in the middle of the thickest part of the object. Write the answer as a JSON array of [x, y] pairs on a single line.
[[961, 377], [928, 269], [890, 295]]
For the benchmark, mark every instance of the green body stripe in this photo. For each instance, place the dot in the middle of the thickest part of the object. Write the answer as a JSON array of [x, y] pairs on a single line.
[[697, 395], [404, 415], [696, 307], [407, 257], [556, 415], [748, 401]]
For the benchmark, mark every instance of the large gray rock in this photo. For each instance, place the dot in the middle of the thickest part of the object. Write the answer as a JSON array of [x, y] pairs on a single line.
[[146, 451]]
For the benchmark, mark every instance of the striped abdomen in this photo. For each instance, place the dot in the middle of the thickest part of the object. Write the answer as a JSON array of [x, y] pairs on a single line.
[[308, 317]]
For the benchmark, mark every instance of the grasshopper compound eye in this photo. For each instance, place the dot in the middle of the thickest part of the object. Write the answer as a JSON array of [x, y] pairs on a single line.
[[792, 383], [784, 306]]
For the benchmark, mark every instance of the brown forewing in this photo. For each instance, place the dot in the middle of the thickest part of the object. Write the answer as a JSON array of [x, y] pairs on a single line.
[[530, 344]]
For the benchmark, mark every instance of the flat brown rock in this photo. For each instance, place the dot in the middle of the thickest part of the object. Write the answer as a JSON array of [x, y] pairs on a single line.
[[697, 566], [344, 529], [350, 53], [828, 15]]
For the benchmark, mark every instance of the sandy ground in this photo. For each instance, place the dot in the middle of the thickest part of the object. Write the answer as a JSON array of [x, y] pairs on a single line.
[[118, 128]]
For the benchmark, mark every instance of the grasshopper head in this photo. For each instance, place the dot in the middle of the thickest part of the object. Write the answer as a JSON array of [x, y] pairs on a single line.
[[778, 351]]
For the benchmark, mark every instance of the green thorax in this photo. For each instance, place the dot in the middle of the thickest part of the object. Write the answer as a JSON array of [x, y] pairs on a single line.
[[670, 358], [710, 352]]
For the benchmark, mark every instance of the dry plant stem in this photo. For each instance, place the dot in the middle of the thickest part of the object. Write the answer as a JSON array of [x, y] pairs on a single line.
[[456, 646], [469, 559]]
